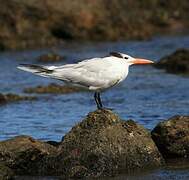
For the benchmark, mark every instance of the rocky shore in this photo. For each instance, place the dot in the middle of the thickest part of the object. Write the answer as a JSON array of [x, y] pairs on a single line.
[[100, 145], [32, 23], [172, 137], [176, 63]]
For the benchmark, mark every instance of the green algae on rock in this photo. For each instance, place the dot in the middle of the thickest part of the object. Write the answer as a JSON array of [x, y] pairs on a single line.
[[172, 137], [177, 62], [54, 89]]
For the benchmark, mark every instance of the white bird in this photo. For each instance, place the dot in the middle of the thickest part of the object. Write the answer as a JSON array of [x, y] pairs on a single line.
[[96, 74]]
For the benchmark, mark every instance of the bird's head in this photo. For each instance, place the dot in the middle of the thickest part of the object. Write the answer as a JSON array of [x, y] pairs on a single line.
[[130, 60]]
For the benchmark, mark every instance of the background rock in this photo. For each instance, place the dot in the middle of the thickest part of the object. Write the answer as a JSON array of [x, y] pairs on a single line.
[[50, 57], [6, 98], [172, 137], [103, 145], [33, 23], [22, 153], [53, 88], [178, 62]]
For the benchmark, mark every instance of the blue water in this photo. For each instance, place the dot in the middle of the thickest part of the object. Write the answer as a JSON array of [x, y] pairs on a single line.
[[148, 95]]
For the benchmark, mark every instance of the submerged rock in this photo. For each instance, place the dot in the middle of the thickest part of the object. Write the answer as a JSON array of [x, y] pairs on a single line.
[[6, 98], [50, 57], [103, 145], [53, 88], [172, 137], [178, 62], [22, 153]]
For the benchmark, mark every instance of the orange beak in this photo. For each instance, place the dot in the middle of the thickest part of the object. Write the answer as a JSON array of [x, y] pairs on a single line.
[[141, 61]]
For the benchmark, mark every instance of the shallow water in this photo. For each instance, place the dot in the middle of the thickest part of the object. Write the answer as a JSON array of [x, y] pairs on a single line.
[[148, 95], [172, 172]]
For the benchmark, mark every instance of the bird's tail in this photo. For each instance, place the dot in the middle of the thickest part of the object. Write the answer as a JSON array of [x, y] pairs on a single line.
[[36, 69]]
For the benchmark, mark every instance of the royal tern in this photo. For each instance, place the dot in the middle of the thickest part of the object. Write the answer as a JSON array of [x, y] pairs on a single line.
[[96, 74]]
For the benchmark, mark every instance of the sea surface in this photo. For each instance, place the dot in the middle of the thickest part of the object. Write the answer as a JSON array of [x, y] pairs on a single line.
[[148, 95]]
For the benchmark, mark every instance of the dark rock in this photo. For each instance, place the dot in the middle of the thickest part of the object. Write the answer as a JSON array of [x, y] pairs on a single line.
[[53, 88], [2, 47], [22, 153], [178, 62], [103, 145], [172, 137], [6, 98], [3, 99], [5, 172], [50, 57]]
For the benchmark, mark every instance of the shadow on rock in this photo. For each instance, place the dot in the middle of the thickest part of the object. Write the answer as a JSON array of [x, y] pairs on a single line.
[[5, 172]]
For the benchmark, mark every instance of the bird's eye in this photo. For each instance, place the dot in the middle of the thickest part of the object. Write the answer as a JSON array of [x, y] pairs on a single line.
[[126, 58]]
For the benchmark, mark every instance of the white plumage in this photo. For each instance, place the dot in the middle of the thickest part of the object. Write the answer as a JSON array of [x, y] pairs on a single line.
[[94, 74]]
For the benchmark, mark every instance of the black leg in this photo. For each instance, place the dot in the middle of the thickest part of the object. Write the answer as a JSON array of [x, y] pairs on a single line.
[[98, 100]]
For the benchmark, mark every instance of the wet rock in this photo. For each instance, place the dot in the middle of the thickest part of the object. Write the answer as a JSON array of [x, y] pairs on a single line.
[[53, 88], [6, 98], [5, 172], [22, 153], [172, 137], [178, 62], [103, 145], [50, 57]]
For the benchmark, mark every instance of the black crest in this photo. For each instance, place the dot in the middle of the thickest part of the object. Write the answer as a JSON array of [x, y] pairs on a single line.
[[116, 54]]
